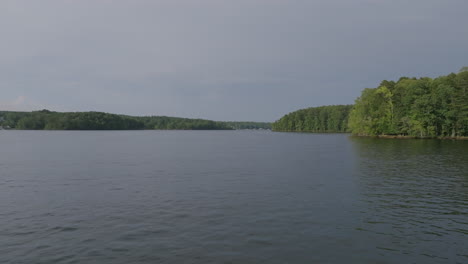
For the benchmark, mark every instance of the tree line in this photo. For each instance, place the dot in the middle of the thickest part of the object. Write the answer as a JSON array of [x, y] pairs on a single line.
[[48, 120], [420, 107], [322, 119], [239, 125]]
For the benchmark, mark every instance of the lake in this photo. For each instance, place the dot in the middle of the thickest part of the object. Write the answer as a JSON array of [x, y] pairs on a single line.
[[230, 197]]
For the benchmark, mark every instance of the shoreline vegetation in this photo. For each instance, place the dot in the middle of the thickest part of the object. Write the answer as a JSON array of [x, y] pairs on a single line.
[[409, 108], [411, 137], [49, 120], [322, 119]]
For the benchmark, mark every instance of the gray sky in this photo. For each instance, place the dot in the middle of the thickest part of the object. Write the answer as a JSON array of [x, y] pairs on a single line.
[[219, 59]]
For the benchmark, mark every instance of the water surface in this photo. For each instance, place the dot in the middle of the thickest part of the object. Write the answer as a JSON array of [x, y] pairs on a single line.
[[230, 197]]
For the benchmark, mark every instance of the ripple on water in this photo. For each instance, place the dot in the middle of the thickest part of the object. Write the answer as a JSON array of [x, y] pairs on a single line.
[[230, 197]]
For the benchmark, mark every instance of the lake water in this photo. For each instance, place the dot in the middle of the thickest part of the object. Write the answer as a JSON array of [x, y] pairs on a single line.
[[230, 197]]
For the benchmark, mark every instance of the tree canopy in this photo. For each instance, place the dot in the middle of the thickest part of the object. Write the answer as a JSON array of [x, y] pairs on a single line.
[[48, 120], [421, 107], [332, 118]]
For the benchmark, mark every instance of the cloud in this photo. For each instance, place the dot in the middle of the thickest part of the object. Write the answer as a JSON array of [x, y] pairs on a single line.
[[233, 59]]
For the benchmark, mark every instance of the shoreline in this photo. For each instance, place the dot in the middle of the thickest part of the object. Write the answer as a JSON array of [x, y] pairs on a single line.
[[310, 132], [376, 136], [411, 137]]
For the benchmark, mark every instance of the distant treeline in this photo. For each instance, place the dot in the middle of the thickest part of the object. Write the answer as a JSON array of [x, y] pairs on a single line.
[[49, 120], [322, 119], [423, 107], [248, 125]]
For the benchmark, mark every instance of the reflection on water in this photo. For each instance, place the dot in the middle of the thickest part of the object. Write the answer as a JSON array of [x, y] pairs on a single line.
[[415, 194]]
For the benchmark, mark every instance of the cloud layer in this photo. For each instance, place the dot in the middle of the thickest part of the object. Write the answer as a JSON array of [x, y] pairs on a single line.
[[223, 60]]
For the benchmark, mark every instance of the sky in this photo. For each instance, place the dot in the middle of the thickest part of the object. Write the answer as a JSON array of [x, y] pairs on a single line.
[[249, 60]]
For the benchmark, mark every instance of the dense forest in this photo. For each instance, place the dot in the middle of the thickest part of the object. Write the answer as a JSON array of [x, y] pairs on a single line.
[[419, 107], [48, 120], [332, 118]]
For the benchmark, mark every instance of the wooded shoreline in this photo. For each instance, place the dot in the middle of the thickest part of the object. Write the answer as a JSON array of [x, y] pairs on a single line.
[[50, 120], [411, 137], [408, 108], [375, 136]]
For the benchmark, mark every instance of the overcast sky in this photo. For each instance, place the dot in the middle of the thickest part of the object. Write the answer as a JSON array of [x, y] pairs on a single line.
[[219, 59]]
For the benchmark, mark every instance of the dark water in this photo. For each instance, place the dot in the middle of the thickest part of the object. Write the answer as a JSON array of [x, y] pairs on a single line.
[[230, 197]]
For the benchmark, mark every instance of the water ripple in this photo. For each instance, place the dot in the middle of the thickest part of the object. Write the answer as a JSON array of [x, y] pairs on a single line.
[[230, 197]]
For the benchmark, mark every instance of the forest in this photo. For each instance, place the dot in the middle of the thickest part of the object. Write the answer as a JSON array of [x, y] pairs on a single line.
[[420, 107], [48, 120], [417, 107], [322, 119]]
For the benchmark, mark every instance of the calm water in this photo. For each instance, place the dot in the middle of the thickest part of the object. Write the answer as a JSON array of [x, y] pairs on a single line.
[[230, 197]]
